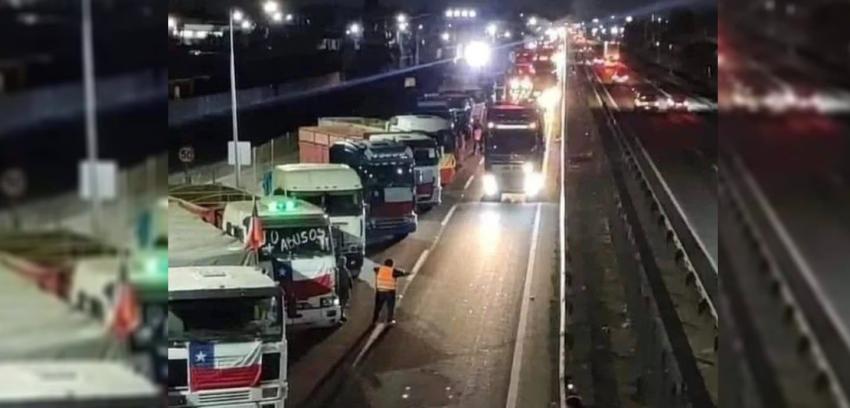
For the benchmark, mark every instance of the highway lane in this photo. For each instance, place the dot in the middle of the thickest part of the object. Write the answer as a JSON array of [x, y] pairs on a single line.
[[456, 341], [683, 147], [798, 161]]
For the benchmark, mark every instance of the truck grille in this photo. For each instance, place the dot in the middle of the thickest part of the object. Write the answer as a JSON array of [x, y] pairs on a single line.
[[225, 396]]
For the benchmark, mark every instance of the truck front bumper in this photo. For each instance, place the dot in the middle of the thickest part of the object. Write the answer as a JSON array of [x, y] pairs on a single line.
[[315, 318], [391, 226]]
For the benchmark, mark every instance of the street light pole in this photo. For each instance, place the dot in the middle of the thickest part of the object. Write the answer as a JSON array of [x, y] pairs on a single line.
[[91, 118], [233, 104]]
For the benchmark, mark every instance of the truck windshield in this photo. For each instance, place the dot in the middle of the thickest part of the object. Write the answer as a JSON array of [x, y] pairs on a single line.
[[389, 176], [297, 242], [222, 318], [424, 156], [512, 141], [340, 204]]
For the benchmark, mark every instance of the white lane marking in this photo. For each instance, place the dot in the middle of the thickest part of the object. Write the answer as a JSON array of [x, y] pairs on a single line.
[[376, 332], [420, 261], [468, 182], [562, 219], [448, 216], [516, 366]]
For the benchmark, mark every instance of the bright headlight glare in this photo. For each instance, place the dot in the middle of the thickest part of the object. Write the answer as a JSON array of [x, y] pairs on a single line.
[[527, 168], [533, 184], [491, 187], [477, 54], [549, 98]]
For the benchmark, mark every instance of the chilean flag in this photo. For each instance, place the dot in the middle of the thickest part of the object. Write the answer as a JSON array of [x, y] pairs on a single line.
[[224, 365], [256, 237]]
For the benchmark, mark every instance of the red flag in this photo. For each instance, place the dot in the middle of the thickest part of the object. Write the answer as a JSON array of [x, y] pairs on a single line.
[[127, 316], [256, 237]]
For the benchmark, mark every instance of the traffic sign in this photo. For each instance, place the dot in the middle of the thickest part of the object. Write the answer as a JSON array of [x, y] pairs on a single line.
[[13, 182], [187, 154]]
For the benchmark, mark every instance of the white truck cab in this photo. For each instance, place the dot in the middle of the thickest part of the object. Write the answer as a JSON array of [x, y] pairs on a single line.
[[299, 254], [75, 383], [337, 189], [226, 334], [426, 156]]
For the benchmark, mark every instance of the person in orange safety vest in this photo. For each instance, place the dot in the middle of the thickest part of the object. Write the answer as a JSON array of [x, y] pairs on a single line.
[[385, 288]]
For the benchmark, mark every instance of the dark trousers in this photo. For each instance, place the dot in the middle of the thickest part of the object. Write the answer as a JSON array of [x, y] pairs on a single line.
[[381, 298]]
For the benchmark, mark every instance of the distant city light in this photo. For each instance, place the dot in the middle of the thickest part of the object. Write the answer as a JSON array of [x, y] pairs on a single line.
[[491, 29], [246, 25], [629, 19], [595, 21], [507, 34], [289, 17], [172, 22], [401, 18], [473, 13], [614, 30], [532, 21], [277, 16], [464, 13], [421, 26], [449, 13], [445, 36]]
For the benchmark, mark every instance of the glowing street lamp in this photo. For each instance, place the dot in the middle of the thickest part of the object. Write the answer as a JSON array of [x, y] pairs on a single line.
[[271, 7], [277, 17], [532, 21], [401, 18], [246, 24], [445, 36], [238, 15], [491, 29], [355, 29], [629, 19]]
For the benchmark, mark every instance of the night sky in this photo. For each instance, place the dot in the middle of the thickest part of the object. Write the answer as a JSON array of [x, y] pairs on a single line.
[[584, 9]]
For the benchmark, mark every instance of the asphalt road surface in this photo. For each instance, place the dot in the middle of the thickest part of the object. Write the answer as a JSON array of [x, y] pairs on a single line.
[[466, 306]]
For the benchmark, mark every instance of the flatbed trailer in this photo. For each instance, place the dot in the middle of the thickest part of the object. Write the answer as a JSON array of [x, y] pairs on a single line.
[[207, 200], [37, 325], [48, 258]]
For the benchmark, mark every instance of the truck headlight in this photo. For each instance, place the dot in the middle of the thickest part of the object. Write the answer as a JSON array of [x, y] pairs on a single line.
[[533, 183], [270, 392], [328, 301], [491, 187]]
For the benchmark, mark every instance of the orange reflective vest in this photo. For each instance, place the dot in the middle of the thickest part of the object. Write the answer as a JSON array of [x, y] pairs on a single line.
[[386, 281]]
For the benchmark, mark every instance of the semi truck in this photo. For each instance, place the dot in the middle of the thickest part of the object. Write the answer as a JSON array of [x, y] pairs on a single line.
[[513, 154], [227, 343], [299, 251], [338, 190], [51, 352], [426, 157], [386, 169], [306, 268], [214, 283], [441, 130]]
